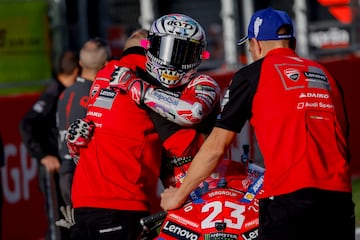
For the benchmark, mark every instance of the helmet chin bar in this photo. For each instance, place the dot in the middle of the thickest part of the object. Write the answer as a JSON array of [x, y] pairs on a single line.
[[167, 76]]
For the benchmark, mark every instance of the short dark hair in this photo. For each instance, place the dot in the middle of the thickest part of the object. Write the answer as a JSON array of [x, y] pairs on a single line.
[[69, 60], [101, 42]]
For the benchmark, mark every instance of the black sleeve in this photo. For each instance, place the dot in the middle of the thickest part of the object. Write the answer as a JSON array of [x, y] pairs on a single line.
[[238, 99], [38, 128]]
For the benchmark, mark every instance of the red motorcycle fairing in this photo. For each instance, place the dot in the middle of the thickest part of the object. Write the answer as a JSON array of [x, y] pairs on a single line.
[[221, 213]]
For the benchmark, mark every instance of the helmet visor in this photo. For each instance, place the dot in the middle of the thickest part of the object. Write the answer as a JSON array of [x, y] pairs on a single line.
[[181, 53]]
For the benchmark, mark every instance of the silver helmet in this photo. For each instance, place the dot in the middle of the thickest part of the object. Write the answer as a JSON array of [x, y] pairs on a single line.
[[176, 46]]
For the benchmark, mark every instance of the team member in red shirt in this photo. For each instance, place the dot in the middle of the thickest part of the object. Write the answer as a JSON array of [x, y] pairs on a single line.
[[296, 108], [72, 104], [113, 181], [117, 172]]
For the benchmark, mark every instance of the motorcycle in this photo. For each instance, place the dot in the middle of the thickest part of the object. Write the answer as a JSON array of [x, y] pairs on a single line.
[[225, 206]]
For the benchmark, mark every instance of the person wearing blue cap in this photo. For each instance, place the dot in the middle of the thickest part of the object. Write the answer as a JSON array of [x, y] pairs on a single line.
[[299, 118]]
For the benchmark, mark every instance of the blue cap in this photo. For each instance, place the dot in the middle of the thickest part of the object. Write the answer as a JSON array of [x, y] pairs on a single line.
[[265, 24]]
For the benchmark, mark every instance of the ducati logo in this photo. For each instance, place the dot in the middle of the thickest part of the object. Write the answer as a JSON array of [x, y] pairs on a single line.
[[292, 74]]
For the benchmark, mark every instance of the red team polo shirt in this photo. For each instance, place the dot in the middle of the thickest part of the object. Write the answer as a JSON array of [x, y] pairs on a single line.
[[119, 168], [297, 112]]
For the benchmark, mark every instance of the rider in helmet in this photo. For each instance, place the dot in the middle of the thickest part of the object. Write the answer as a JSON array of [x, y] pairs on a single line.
[[175, 47], [182, 103]]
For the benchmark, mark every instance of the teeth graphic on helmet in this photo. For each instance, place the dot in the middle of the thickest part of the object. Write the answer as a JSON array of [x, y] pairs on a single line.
[[170, 77]]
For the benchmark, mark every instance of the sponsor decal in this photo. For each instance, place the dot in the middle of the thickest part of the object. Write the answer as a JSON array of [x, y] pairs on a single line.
[[322, 105], [316, 76], [94, 90], [165, 97], [180, 161], [251, 235], [105, 99], [314, 95], [199, 191], [252, 223], [222, 192], [253, 189], [257, 185], [293, 78], [183, 220], [220, 236], [249, 196], [326, 105], [179, 232], [95, 114], [107, 93], [292, 73], [179, 26]]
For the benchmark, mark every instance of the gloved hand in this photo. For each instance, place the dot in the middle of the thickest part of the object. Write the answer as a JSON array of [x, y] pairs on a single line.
[[121, 79], [79, 135], [138, 89], [68, 213], [125, 80]]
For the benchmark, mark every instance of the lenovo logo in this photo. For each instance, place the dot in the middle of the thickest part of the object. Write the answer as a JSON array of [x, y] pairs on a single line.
[[179, 232], [250, 235]]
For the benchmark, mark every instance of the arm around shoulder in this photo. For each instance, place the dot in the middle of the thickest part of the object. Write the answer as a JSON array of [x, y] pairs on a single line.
[[204, 163]]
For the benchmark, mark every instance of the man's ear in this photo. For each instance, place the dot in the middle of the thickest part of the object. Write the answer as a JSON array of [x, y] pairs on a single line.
[[258, 48]]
